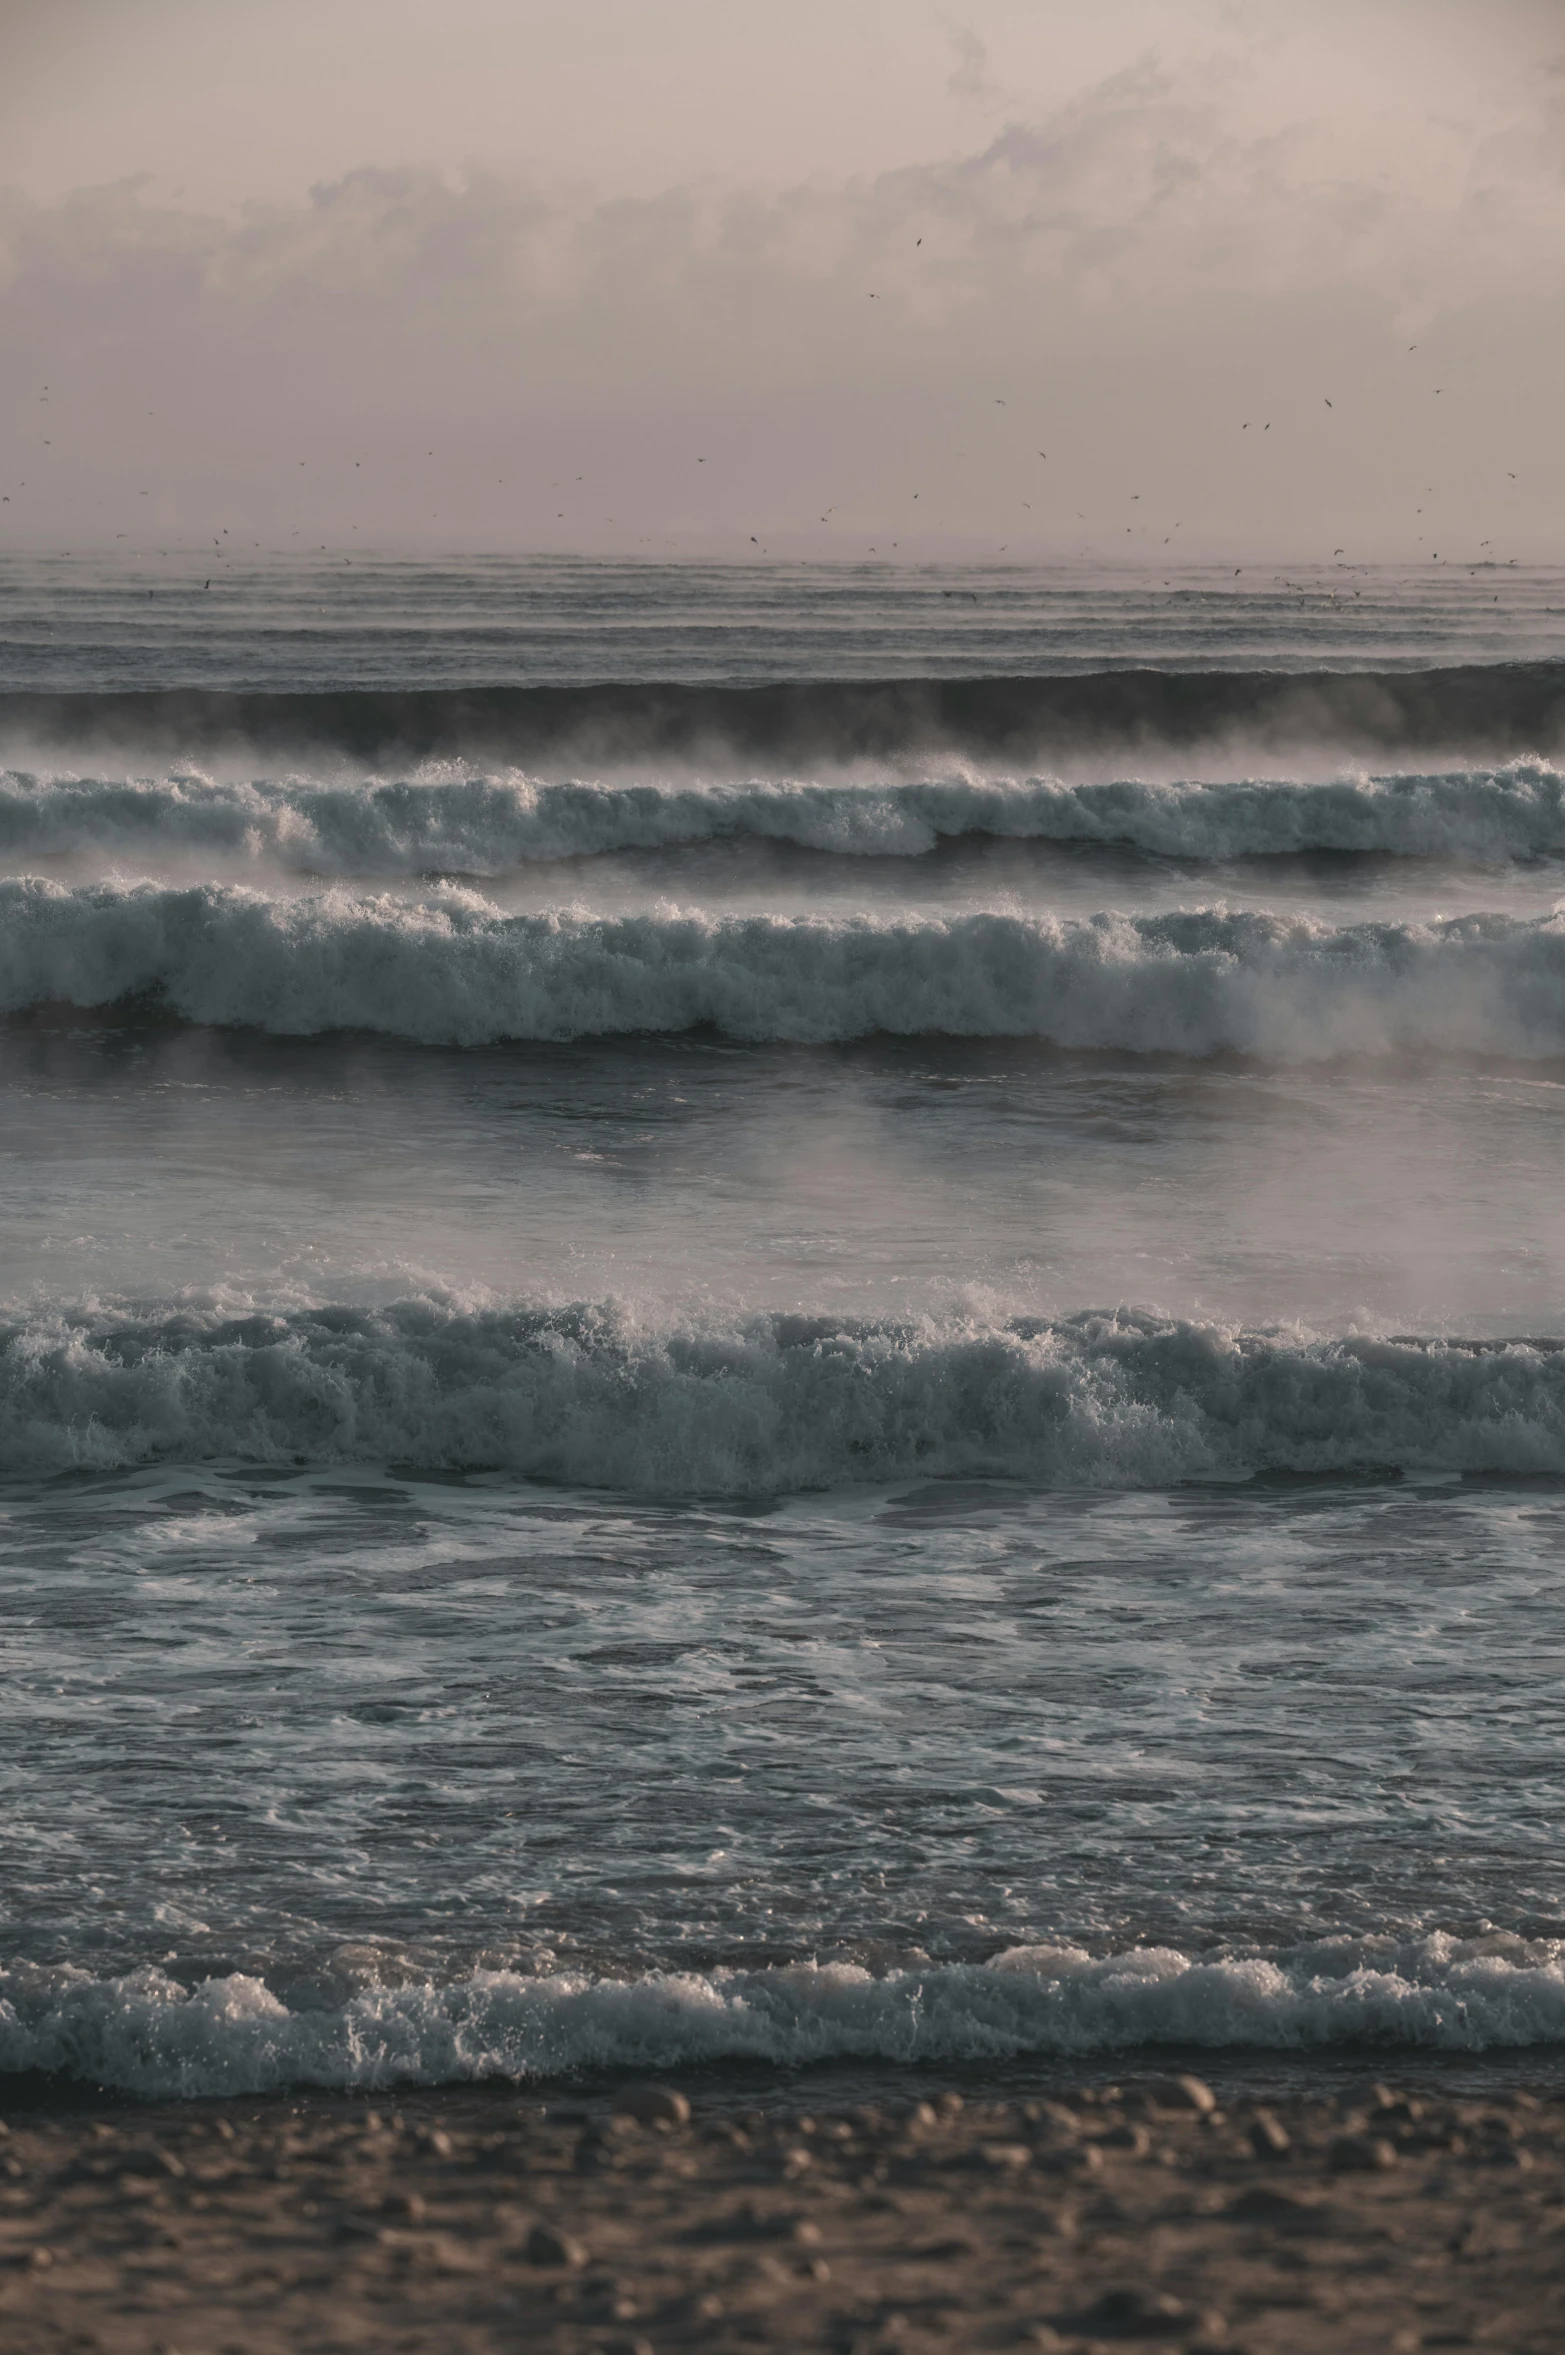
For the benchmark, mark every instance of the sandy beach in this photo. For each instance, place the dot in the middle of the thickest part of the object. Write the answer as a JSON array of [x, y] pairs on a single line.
[[628, 2223]]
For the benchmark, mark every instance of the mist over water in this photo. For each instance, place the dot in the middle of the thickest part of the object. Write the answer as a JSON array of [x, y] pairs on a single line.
[[877, 1374]]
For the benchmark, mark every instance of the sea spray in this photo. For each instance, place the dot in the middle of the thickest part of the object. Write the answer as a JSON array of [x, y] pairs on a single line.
[[448, 969], [454, 821]]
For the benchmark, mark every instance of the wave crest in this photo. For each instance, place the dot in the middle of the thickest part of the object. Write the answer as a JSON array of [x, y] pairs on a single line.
[[147, 2034], [767, 1404], [1496, 709], [450, 970], [490, 825]]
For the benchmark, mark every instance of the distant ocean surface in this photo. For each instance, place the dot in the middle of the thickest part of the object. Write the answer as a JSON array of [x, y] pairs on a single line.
[[777, 1315]]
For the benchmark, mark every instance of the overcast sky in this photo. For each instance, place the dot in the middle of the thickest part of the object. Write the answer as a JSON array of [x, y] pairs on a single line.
[[1262, 277]]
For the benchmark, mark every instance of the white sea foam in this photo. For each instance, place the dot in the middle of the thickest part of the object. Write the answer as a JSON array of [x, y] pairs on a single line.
[[449, 970], [151, 2035], [486, 825], [766, 1404]]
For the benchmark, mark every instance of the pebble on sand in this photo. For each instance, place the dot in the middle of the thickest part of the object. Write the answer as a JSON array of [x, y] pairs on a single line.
[[1184, 2093], [1130, 2313], [1360, 2154], [548, 2247], [654, 2105], [1129, 2137]]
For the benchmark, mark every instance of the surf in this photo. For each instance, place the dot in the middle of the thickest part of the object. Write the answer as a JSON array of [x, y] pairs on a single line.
[[150, 2034], [490, 825], [448, 969], [766, 1404]]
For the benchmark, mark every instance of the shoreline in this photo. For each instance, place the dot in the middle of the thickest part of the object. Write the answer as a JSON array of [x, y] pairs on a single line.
[[618, 2220]]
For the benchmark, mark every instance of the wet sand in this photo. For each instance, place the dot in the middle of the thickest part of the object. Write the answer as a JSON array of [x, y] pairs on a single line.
[[1141, 2214]]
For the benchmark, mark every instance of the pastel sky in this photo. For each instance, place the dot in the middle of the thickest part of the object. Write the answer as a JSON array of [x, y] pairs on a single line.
[[1264, 277]]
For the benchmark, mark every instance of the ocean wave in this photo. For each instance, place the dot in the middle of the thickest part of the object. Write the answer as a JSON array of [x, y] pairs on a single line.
[[448, 969], [1500, 708], [765, 1404], [150, 2035], [491, 825]]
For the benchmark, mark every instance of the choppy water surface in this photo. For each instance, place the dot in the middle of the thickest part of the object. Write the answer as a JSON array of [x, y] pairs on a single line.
[[698, 1400]]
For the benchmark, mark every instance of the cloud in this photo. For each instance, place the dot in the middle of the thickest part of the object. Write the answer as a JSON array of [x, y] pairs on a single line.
[[970, 76], [1130, 273]]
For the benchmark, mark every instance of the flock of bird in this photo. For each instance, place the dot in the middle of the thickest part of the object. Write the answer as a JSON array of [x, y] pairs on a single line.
[[884, 545]]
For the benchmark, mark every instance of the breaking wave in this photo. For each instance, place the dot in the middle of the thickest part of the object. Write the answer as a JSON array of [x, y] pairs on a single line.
[[148, 2034], [489, 825], [764, 1404], [1500, 708], [448, 969]]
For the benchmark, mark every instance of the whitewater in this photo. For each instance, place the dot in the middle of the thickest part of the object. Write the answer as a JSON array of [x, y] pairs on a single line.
[[451, 971], [766, 1318], [233, 2035], [771, 1404], [434, 822]]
